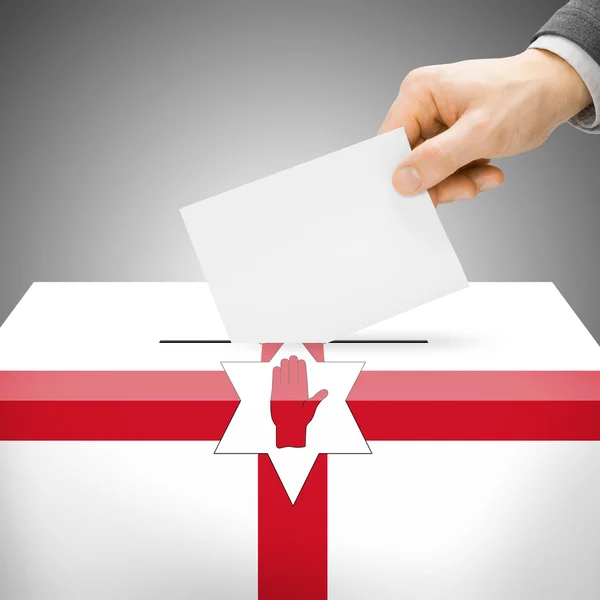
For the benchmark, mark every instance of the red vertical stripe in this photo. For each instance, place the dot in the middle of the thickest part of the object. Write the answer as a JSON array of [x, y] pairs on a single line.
[[292, 538], [268, 351], [317, 351]]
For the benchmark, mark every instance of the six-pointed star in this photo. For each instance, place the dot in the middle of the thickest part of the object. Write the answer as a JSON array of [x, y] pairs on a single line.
[[333, 430]]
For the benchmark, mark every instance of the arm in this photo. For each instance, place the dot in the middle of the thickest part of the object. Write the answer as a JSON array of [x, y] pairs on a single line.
[[579, 22], [459, 116], [573, 33], [588, 69]]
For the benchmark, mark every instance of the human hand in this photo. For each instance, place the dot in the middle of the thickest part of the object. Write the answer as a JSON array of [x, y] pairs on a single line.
[[291, 408], [459, 116]]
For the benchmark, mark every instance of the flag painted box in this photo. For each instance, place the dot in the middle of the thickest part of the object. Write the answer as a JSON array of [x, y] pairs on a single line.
[[450, 452]]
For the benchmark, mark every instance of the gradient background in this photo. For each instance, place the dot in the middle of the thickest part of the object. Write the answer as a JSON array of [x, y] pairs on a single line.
[[115, 114]]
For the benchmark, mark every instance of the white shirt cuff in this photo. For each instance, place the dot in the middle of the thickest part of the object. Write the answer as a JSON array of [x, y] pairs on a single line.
[[588, 69]]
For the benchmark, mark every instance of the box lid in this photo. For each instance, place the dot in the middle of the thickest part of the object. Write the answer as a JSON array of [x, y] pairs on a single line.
[[119, 326]]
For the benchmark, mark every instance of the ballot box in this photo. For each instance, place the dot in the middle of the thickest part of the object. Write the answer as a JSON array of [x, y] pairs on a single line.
[[455, 455]]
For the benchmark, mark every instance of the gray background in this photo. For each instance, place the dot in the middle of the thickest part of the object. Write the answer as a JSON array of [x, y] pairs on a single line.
[[115, 114]]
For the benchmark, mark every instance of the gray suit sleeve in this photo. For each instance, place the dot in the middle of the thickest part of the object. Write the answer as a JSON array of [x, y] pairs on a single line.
[[578, 21], [588, 120]]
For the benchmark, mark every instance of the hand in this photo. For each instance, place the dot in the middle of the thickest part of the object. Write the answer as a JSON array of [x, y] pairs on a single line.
[[459, 116], [291, 408]]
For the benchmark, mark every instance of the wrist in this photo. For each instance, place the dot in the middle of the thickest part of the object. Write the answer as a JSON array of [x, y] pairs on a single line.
[[290, 435], [559, 81]]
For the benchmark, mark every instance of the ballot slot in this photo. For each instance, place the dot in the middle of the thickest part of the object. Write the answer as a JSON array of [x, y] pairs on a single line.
[[332, 342], [379, 342]]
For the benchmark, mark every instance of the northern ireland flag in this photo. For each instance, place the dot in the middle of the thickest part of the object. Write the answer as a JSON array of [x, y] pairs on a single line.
[[451, 452]]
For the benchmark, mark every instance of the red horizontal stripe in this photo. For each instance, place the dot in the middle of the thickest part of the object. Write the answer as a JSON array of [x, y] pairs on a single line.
[[371, 385], [378, 420], [125, 420], [478, 420], [394, 405], [115, 385], [477, 385]]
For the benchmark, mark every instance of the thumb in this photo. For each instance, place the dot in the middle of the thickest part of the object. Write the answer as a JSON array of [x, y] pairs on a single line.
[[313, 404], [439, 157], [319, 396]]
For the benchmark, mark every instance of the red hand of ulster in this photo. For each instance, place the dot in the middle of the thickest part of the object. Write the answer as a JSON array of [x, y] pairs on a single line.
[[291, 408]]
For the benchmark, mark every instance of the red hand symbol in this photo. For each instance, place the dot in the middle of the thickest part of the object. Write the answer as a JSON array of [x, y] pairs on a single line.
[[291, 408]]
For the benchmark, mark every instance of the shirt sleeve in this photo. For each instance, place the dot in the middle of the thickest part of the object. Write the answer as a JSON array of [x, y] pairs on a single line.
[[588, 119]]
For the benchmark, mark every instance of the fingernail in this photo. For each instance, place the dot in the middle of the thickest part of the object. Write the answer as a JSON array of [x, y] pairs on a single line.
[[407, 180], [488, 185], [462, 197]]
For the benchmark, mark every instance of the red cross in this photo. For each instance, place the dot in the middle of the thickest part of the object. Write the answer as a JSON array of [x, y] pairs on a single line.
[[387, 405]]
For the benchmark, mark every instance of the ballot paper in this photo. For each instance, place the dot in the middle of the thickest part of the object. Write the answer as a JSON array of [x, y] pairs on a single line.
[[323, 249]]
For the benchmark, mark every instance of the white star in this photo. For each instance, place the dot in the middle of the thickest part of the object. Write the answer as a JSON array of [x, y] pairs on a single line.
[[333, 430]]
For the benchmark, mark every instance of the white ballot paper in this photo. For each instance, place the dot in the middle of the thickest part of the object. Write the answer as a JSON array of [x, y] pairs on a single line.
[[323, 249]]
